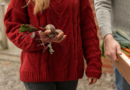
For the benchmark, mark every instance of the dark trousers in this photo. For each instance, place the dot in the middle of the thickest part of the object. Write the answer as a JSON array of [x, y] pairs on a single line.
[[67, 85]]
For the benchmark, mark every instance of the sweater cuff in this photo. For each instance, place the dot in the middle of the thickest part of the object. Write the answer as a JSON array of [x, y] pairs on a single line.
[[93, 74], [105, 31]]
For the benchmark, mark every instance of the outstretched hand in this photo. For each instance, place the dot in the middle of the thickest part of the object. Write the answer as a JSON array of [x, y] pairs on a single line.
[[58, 38]]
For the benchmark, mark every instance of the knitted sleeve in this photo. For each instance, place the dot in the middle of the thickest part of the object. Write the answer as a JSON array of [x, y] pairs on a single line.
[[90, 41], [103, 13], [14, 17]]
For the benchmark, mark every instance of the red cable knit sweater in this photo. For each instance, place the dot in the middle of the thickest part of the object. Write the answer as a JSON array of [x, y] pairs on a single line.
[[76, 19]]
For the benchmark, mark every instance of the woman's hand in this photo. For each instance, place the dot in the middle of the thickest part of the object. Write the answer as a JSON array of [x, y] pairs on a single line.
[[92, 80], [111, 47], [60, 37]]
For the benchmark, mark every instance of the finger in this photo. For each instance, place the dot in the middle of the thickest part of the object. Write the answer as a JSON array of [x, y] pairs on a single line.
[[93, 81], [60, 35], [119, 50], [47, 32], [90, 80], [47, 40], [114, 54], [62, 38], [114, 57], [58, 41]]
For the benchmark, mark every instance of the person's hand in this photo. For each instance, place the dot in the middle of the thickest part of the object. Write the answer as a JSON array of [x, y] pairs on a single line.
[[92, 80], [111, 47], [60, 37]]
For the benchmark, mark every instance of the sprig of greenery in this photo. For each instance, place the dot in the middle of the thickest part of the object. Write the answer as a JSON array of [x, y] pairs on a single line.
[[27, 28], [50, 48], [32, 29]]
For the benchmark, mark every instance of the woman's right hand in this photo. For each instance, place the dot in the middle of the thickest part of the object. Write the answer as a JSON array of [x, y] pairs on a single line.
[[45, 36], [111, 47]]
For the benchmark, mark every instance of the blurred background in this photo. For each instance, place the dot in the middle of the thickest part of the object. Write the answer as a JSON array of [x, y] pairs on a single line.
[[10, 62]]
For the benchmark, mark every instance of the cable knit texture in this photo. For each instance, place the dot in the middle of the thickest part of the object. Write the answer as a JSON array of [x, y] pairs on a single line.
[[76, 19]]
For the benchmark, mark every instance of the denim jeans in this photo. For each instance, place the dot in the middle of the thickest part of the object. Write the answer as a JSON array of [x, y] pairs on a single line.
[[67, 85], [121, 83]]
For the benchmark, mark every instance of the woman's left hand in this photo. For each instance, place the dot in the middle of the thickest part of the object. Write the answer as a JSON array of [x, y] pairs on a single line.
[[92, 80]]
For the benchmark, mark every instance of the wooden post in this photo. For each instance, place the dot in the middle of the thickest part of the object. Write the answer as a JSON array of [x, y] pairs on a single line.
[[2, 27]]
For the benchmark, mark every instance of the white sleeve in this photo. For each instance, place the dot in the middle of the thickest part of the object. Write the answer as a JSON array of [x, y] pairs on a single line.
[[103, 9]]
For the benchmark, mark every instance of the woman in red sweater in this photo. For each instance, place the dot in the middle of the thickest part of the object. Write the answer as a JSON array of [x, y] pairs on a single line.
[[62, 69]]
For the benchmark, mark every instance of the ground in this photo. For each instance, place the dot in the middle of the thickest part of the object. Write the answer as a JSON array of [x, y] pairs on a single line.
[[9, 79]]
